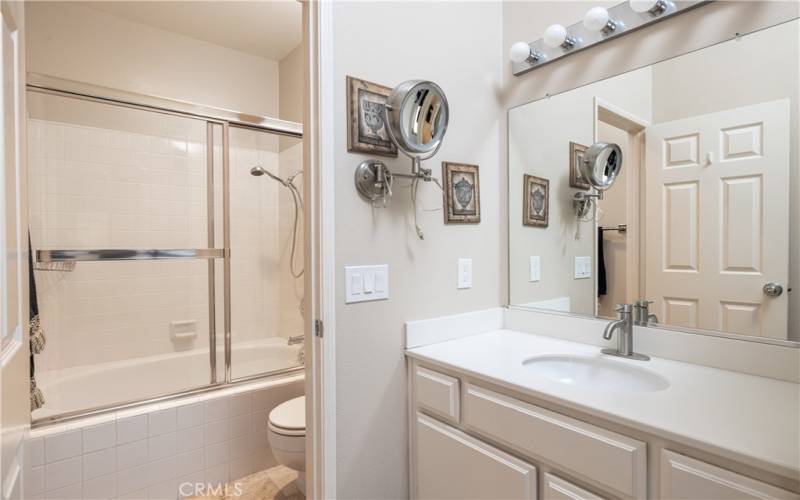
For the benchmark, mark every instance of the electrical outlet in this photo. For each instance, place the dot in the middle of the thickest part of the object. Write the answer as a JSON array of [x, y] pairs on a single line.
[[464, 273], [536, 268]]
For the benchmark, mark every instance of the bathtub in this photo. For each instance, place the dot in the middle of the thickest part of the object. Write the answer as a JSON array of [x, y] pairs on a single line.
[[166, 450], [104, 384]]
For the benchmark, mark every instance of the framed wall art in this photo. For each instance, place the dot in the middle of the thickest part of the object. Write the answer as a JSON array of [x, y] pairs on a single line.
[[576, 178], [462, 193], [368, 131], [536, 201]]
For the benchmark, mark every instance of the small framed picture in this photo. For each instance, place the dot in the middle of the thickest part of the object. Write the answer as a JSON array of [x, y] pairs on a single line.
[[462, 193], [366, 116], [576, 178], [536, 201]]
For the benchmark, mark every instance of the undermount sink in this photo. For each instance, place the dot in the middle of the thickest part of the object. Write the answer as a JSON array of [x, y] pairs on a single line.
[[595, 372]]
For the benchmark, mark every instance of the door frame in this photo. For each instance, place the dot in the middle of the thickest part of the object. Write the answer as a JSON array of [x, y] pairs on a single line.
[[320, 277], [14, 362], [636, 126]]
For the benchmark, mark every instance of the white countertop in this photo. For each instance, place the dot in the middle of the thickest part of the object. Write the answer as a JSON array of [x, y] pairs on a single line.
[[756, 419]]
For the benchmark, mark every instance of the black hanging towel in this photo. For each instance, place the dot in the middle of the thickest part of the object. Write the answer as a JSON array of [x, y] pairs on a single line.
[[601, 265], [37, 338]]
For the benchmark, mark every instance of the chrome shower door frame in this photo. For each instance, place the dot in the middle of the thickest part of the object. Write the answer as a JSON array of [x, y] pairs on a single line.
[[215, 119]]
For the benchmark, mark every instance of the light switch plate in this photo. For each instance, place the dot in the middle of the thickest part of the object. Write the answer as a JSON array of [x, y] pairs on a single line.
[[536, 268], [464, 273], [365, 283], [583, 267]]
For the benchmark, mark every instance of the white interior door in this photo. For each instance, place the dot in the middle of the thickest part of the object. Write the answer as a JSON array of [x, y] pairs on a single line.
[[717, 219], [14, 399]]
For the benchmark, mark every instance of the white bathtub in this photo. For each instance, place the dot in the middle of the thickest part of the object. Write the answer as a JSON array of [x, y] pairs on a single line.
[[86, 387]]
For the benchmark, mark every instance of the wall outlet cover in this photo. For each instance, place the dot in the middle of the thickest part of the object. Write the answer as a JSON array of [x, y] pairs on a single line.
[[535, 268], [464, 273]]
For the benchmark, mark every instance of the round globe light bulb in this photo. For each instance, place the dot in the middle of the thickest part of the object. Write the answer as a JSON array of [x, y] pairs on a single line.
[[642, 6], [555, 35], [596, 19], [520, 52]]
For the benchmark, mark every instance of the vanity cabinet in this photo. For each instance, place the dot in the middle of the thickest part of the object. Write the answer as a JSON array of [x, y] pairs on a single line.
[[686, 478], [555, 488], [452, 464], [470, 439]]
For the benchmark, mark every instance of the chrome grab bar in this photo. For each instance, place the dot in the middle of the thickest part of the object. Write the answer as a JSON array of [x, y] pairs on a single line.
[[109, 254]]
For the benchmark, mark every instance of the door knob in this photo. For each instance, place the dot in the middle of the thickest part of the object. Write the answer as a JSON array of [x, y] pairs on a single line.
[[773, 289]]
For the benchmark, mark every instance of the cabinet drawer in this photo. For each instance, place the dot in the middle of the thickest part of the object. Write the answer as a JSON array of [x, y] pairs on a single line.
[[451, 464], [437, 392], [684, 477], [555, 488], [612, 460]]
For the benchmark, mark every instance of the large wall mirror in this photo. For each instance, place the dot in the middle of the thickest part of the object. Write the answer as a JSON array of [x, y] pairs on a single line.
[[703, 219]]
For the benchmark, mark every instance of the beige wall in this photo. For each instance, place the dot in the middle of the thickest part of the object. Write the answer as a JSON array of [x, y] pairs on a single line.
[[291, 87], [457, 45], [71, 41]]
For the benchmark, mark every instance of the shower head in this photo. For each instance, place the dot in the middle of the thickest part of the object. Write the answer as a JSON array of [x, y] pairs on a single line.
[[258, 171]]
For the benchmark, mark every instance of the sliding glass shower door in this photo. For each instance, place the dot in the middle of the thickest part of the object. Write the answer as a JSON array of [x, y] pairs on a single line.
[[135, 215]]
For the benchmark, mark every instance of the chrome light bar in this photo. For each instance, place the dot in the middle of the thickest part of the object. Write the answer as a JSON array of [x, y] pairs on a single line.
[[626, 20]]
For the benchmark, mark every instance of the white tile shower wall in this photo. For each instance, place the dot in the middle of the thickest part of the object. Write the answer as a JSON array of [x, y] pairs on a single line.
[[101, 188], [149, 452]]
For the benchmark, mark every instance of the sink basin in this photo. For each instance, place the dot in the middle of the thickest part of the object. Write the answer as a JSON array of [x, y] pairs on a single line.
[[595, 372]]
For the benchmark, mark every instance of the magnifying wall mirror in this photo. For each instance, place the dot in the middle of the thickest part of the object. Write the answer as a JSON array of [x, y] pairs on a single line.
[[417, 115]]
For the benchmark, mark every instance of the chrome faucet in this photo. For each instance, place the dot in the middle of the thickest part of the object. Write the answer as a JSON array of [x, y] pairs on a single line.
[[625, 335], [641, 313]]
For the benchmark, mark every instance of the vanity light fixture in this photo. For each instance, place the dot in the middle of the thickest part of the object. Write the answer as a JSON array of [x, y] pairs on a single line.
[[598, 25], [521, 52], [598, 19], [654, 7], [556, 36]]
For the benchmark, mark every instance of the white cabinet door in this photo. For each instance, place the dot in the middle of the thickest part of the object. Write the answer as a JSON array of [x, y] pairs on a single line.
[[686, 478], [451, 464], [555, 488], [717, 218]]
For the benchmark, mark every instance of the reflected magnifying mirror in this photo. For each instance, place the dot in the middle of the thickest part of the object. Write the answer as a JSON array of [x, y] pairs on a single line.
[[601, 164]]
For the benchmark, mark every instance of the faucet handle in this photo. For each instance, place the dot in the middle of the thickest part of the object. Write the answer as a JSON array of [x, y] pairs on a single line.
[[623, 309]]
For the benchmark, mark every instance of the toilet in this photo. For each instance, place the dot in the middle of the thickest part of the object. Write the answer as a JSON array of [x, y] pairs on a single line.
[[287, 437]]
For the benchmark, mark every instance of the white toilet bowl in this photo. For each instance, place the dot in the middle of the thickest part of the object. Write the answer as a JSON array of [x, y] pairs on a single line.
[[287, 437]]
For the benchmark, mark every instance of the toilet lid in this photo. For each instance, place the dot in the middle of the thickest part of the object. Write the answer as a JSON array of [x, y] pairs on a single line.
[[289, 414]]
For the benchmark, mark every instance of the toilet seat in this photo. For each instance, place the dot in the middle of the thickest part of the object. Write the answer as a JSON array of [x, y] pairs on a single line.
[[289, 417]]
